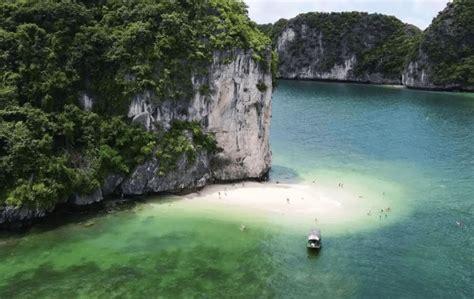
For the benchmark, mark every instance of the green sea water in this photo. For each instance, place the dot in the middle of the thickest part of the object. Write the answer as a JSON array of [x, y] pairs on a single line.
[[412, 151]]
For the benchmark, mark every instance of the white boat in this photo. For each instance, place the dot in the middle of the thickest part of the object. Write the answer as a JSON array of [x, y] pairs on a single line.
[[314, 239]]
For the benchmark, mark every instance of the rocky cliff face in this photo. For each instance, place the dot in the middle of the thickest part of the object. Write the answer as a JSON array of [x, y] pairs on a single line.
[[233, 102], [444, 58], [344, 46]]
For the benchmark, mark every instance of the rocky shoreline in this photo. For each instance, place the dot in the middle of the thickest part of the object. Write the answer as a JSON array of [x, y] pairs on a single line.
[[447, 89], [235, 109]]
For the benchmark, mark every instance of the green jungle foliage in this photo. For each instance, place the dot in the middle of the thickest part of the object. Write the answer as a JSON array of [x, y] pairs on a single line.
[[184, 138], [273, 30], [52, 51], [389, 57], [46, 157], [449, 44]]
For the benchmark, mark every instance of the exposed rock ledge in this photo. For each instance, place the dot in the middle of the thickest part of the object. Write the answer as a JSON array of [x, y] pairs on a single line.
[[236, 109]]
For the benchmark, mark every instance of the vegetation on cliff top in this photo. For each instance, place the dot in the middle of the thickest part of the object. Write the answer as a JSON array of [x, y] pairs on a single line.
[[51, 52], [448, 44], [112, 49]]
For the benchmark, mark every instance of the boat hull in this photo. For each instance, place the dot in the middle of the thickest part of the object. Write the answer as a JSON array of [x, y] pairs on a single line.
[[314, 246]]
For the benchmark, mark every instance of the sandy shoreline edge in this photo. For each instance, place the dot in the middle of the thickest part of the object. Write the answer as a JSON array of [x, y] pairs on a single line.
[[308, 204]]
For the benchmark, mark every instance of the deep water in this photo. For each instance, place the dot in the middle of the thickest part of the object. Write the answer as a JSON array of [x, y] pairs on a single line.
[[412, 151]]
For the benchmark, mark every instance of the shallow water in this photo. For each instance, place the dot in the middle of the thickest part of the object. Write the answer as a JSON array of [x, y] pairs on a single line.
[[412, 151]]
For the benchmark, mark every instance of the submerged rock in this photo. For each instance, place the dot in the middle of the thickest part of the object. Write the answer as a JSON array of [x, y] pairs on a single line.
[[89, 224]]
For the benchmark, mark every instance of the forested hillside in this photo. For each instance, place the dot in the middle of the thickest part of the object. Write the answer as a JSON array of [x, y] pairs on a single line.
[[349, 46], [444, 58], [55, 52]]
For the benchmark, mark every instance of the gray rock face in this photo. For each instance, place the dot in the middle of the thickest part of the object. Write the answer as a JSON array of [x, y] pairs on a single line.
[[16, 217], [445, 56], [233, 102], [187, 176], [83, 200], [236, 108], [341, 47], [111, 183], [419, 74]]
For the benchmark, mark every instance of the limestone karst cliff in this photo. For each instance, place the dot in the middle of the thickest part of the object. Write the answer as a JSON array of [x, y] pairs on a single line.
[[351, 46], [115, 98], [374, 48], [234, 108], [444, 58]]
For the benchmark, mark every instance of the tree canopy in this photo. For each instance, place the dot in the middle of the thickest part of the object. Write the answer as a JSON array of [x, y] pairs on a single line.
[[52, 52]]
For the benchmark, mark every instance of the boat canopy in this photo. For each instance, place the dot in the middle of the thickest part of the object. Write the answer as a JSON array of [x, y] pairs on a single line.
[[315, 234]]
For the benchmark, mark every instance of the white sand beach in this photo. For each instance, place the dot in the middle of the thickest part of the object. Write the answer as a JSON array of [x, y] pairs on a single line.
[[300, 203]]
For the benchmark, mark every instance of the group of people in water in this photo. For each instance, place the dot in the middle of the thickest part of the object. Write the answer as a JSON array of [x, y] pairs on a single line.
[[382, 212]]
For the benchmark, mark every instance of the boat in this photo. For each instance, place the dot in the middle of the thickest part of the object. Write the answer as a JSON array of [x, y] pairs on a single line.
[[314, 239]]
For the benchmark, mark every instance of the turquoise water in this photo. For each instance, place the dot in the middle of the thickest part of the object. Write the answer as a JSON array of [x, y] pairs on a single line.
[[370, 135], [412, 151]]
